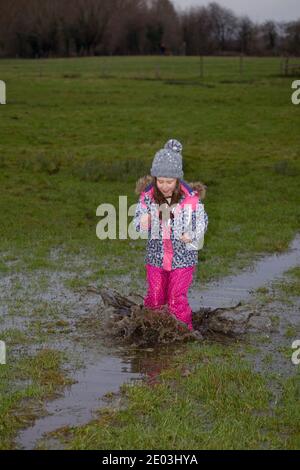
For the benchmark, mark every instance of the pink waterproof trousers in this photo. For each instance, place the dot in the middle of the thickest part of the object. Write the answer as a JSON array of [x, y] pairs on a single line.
[[171, 288]]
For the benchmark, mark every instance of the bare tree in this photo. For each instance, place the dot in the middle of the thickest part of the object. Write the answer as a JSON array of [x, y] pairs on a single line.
[[224, 25], [135, 27], [89, 24], [35, 28], [291, 41], [164, 32], [197, 31], [246, 32], [270, 37]]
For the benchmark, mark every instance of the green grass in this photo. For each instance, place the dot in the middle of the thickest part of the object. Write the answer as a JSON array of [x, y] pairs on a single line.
[[221, 403], [76, 133], [291, 286], [285, 289], [24, 384], [70, 144]]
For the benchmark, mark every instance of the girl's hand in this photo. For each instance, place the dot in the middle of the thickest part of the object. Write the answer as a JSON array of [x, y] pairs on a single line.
[[145, 221], [185, 238]]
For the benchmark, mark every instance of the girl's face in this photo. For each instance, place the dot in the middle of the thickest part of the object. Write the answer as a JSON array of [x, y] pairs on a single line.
[[166, 185]]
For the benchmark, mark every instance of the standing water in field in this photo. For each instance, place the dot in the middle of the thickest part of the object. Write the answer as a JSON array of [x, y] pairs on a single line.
[[100, 378], [232, 289], [106, 371]]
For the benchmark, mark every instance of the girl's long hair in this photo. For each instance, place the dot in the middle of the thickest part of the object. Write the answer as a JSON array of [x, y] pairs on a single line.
[[159, 198]]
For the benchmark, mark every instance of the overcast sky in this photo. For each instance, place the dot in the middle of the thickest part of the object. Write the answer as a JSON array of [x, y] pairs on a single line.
[[257, 10]]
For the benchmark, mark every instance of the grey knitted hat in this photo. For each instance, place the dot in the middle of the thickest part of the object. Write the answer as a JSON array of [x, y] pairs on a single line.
[[167, 162]]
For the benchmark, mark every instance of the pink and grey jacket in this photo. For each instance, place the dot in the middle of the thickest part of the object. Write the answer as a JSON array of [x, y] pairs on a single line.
[[164, 247]]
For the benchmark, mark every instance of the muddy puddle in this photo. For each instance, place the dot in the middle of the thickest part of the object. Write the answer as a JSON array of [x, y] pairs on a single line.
[[97, 381], [95, 384], [104, 369]]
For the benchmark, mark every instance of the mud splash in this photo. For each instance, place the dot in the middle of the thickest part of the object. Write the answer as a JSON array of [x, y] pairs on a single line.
[[135, 324]]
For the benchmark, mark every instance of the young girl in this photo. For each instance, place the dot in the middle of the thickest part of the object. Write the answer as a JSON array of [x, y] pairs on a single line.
[[172, 213]]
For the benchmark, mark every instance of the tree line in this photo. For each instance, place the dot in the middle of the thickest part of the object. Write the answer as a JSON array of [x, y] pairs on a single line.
[[66, 28]]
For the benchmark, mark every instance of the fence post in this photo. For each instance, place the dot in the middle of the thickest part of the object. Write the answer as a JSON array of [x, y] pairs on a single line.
[[281, 66], [157, 72], [286, 66], [241, 64], [201, 67], [103, 67]]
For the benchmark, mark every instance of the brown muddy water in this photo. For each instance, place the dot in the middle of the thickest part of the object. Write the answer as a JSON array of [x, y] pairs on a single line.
[[105, 367]]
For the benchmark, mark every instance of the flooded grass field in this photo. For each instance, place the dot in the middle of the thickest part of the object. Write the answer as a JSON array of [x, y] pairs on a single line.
[[72, 138]]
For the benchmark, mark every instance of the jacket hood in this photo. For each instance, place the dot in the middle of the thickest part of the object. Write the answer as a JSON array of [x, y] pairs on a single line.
[[145, 183]]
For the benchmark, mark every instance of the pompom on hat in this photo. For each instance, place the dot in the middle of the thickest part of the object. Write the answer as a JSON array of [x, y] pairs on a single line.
[[167, 161]]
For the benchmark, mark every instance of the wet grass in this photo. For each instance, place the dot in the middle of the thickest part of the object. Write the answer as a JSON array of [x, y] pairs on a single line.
[[210, 399], [285, 290], [243, 395], [78, 132], [25, 383], [35, 371], [290, 288], [239, 139]]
